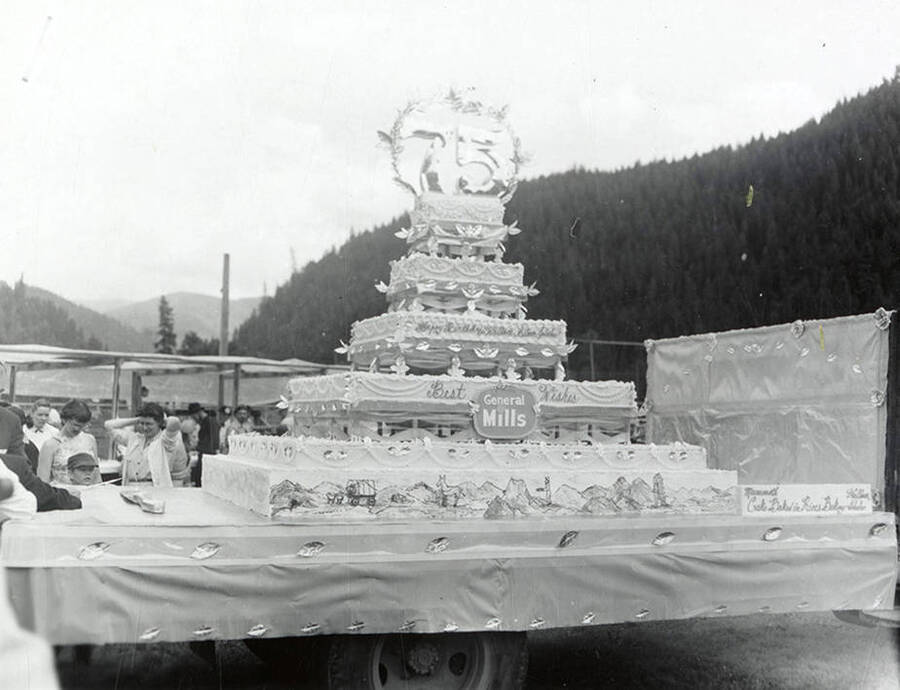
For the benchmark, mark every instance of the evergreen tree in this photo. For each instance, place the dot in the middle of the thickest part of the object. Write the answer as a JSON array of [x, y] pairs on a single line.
[[165, 340], [192, 345]]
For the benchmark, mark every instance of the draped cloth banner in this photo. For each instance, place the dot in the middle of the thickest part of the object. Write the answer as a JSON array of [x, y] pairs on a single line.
[[208, 570], [800, 403]]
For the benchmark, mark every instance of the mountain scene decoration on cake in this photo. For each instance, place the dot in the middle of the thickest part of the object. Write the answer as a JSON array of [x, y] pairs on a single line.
[[457, 405], [367, 498]]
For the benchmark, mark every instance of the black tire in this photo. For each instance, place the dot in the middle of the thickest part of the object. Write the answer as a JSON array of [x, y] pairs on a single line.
[[451, 661]]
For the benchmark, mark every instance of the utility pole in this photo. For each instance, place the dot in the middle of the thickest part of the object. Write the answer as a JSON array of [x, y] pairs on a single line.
[[223, 329]]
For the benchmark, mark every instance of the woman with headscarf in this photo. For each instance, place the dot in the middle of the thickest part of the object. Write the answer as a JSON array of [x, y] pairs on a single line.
[[70, 439], [154, 451]]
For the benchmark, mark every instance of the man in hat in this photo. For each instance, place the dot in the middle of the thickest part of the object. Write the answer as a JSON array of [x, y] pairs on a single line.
[[207, 438]]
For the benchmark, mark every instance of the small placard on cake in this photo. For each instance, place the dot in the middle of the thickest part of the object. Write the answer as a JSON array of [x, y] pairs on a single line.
[[504, 412], [806, 499]]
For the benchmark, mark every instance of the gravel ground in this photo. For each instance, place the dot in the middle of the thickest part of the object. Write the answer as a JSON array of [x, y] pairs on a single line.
[[766, 651]]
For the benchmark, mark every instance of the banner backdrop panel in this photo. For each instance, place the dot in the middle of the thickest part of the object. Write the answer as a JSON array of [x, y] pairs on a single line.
[[795, 403]]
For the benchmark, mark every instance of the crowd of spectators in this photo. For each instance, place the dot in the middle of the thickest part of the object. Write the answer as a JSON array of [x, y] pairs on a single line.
[[54, 454], [50, 458]]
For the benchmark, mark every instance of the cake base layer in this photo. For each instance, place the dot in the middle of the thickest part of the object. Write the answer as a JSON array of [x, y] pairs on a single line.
[[371, 492]]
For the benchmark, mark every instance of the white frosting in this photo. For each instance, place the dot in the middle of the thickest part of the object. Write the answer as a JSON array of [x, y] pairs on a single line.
[[417, 268], [311, 453], [315, 478], [430, 340], [425, 393], [433, 207], [460, 285]]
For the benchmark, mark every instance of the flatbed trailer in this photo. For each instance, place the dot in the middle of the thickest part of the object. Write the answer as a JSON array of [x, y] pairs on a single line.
[[207, 570], [428, 603]]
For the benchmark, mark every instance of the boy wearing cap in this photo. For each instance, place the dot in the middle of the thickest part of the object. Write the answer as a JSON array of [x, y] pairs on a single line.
[[83, 468]]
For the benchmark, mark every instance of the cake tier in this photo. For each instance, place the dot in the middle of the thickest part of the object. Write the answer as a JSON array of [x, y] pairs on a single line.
[[456, 285], [457, 225], [311, 453], [367, 391], [302, 479], [448, 210], [431, 340], [381, 405]]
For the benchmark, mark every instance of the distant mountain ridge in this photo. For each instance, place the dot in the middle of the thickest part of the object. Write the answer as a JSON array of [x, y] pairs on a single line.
[[192, 312], [110, 332], [131, 327], [103, 305]]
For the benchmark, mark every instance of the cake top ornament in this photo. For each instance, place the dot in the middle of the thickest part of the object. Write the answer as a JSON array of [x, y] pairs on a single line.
[[454, 145]]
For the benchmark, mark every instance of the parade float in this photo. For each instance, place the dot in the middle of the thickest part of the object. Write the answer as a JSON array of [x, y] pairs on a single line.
[[453, 489]]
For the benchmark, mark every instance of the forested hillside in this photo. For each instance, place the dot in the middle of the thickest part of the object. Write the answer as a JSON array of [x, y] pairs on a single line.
[[97, 327], [802, 225], [27, 319]]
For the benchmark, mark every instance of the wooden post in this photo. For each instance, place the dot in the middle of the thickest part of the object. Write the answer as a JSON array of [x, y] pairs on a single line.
[[223, 324], [236, 391], [117, 375], [221, 398], [223, 331], [12, 384], [114, 412], [591, 351], [136, 385]]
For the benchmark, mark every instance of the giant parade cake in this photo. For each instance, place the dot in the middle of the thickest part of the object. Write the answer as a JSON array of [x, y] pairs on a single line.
[[456, 405]]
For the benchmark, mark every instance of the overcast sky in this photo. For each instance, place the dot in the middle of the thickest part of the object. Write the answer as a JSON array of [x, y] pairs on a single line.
[[139, 141]]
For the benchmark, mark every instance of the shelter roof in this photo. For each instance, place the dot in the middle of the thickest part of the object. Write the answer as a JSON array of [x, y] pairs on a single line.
[[31, 357]]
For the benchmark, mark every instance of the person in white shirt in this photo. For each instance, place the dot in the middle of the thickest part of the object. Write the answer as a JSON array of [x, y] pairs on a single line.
[[154, 451], [40, 430], [25, 659]]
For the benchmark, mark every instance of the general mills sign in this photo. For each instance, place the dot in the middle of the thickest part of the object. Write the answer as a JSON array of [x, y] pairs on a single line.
[[504, 412]]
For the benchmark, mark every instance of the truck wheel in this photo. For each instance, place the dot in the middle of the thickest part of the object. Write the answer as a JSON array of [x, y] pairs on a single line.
[[451, 661]]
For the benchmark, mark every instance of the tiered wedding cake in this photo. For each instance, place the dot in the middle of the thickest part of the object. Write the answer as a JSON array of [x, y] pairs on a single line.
[[456, 405]]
